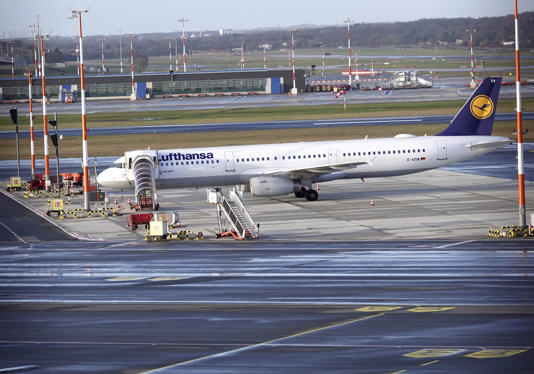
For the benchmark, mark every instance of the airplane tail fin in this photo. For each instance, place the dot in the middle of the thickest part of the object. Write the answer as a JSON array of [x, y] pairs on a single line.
[[477, 115]]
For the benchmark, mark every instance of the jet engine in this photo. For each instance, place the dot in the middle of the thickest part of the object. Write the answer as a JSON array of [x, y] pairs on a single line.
[[273, 186]]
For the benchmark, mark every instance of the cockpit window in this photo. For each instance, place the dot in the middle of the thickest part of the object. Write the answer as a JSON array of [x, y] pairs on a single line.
[[119, 165]]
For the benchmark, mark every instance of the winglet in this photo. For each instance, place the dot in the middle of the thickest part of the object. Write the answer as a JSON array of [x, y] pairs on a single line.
[[477, 115]]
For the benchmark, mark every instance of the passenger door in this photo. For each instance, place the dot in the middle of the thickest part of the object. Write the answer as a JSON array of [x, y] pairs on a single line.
[[229, 161], [442, 149]]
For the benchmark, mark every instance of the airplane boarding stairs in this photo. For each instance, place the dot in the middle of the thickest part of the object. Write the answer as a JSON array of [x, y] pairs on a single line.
[[231, 210]]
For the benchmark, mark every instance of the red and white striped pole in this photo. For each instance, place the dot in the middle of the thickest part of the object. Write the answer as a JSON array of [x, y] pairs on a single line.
[[120, 49], [38, 47], [45, 127], [348, 44], [170, 55], [12, 63], [132, 97], [175, 54], [184, 55], [472, 57], [264, 58], [103, 67], [34, 51], [85, 153], [78, 56], [32, 139], [324, 57], [520, 162], [294, 90]]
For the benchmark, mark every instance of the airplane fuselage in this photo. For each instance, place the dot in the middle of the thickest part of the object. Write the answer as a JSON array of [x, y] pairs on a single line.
[[232, 165]]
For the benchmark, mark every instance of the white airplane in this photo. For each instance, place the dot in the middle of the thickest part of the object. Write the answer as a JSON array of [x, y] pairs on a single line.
[[281, 169]]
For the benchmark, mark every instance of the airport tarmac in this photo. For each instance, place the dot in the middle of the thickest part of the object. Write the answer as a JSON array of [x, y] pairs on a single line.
[[445, 91], [433, 204], [408, 284], [271, 125], [425, 306]]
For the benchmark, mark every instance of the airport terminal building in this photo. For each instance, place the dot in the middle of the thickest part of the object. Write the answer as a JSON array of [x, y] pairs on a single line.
[[149, 85]]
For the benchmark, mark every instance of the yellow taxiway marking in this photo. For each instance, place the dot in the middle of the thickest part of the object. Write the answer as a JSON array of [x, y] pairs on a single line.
[[122, 279], [495, 353], [253, 346], [379, 308], [400, 371], [429, 309], [161, 279], [434, 352], [429, 363]]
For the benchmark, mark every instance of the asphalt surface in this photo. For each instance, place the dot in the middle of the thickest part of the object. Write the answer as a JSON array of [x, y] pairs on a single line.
[[301, 305], [346, 307], [444, 89], [241, 126]]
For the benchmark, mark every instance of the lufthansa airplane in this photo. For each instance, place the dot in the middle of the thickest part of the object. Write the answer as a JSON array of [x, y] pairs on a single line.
[[281, 169]]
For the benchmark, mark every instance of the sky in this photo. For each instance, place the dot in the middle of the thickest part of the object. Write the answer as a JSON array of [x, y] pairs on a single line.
[[141, 16]]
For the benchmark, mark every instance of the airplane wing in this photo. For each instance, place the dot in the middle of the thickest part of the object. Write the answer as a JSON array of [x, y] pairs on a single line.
[[311, 171], [491, 144]]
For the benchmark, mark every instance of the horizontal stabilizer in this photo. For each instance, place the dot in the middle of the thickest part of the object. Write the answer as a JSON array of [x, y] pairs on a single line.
[[492, 144]]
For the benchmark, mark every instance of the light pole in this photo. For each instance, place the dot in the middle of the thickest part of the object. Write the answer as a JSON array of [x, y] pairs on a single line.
[[176, 54], [520, 161], [471, 31], [120, 49], [32, 139], [294, 89], [85, 162], [56, 144], [183, 20], [348, 44], [45, 125], [12, 62], [78, 57], [14, 117], [264, 57], [170, 54], [103, 67], [132, 96]]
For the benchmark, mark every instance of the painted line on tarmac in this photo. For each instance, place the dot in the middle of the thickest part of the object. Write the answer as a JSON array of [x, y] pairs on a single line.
[[44, 216], [19, 368], [429, 363], [14, 233], [495, 353], [455, 244], [365, 122], [254, 346]]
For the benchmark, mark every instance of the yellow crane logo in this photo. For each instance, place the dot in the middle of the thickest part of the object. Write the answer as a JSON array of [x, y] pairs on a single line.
[[481, 107]]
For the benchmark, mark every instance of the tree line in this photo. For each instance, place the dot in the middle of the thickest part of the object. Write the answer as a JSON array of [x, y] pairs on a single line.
[[491, 32]]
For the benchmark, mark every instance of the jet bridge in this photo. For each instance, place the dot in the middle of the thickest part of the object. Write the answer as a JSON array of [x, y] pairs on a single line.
[[142, 168]]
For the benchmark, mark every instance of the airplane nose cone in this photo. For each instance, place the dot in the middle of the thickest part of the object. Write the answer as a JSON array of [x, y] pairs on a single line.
[[104, 178]]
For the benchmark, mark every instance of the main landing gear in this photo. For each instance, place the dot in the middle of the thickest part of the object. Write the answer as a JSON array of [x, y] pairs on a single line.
[[309, 194]]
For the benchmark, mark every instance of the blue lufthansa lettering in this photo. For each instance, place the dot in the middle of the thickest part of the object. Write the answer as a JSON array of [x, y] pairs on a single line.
[[186, 156]]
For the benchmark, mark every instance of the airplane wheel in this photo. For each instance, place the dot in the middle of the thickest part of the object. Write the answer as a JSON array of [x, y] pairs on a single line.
[[311, 195], [301, 193]]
